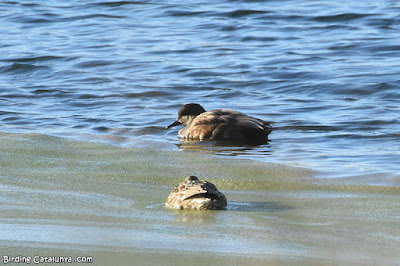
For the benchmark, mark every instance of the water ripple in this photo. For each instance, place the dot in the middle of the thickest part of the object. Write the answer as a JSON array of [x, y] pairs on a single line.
[[325, 72], [341, 17], [118, 3], [21, 68]]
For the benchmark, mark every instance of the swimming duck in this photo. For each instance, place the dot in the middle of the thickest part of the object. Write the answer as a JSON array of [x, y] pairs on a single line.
[[220, 124], [196, 195]]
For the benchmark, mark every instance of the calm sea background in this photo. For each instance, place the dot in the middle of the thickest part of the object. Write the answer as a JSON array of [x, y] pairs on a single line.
[[326, 72]]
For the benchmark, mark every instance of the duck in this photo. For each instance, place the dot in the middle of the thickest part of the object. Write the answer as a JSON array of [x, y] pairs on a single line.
[[220, 125], [194, 194]]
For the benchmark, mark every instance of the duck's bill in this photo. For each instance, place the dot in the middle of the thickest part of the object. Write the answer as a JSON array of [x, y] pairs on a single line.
[[176, 123]]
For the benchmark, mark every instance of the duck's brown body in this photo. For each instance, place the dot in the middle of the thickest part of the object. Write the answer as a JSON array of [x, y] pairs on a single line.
[[220, 124], [196, 195]]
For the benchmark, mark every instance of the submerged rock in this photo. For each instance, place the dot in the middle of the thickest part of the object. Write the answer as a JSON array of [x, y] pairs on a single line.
[[196, 195]]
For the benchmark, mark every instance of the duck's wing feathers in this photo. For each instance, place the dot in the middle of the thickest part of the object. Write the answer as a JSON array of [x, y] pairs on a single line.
[[214, 117], [230, 117], [203, 187], [225, 124], [246, 121]]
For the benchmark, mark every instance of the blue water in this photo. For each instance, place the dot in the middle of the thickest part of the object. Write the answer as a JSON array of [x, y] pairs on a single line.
[[326, 72]]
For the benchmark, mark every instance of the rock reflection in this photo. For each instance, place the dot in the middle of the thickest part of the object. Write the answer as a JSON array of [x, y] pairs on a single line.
[[195, 217]]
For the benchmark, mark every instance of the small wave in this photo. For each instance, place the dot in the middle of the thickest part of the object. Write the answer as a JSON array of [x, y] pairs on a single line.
[[39, 20], [9, 116], [343, 47], [94, 63], [385, 48], [20, 68], [93, 16], [386, 23], [87, 96], [244, 13], [257, 206], [310, 128], [378, 89], [148, 131], [33, 59], [178, 13], [204, 73], [118, 3], [258, 38], [91, 80], [53, 92], [146, 94], [341, 17]]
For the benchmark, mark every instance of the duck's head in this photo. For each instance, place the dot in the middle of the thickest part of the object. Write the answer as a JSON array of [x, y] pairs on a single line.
[[191, 180], [187, 113]]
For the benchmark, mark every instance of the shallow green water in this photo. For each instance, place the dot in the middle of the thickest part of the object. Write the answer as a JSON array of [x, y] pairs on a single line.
[[75, 198]]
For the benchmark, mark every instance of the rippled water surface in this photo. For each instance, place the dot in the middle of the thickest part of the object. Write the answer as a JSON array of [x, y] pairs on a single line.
[[116, 72], [327, 73]]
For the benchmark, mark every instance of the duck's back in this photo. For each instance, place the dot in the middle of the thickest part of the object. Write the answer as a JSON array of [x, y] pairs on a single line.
[[201, 195], [222, 124]]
